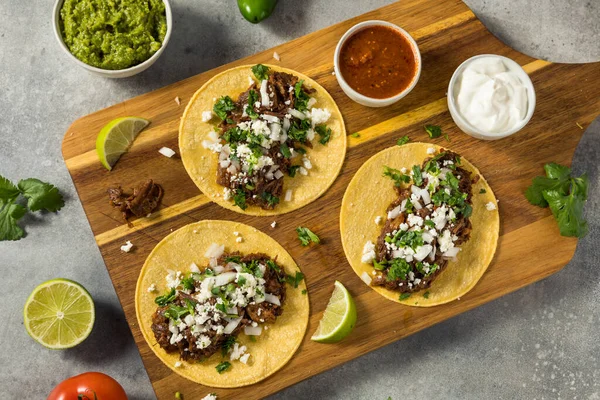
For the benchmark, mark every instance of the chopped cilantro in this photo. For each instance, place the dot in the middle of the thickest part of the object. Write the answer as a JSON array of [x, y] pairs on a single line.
[[188, 283], [304, 291], [417, 176], [295, 280], [269, 198], [300, 150], [233, 259], [252, 98], [565, 195], [216, 290], [166, 298], [39, 195], [482, 191], [223, 366], [301, 97], [379, 265], [430, 223], [306, 236], [403, 140], [355, 135], [404, 296], [397, 176], [271, 264], [426, 294], [299, 130], [261, 72], [175, 312], [434, 131], [447, 138], [398, 269], [223, 106], [285, 150], [292, 169], [227, 345], [239, 199], [325, 132], [252, 338]]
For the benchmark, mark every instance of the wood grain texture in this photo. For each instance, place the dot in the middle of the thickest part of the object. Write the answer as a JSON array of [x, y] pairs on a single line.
[[447, 32]]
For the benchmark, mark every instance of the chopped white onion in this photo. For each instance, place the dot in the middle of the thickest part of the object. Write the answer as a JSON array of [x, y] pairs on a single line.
[[224, 163], [232, 310], [218, 269], [270, 118], [288, 195], [275, 131], [422, 252], [415, 190], [212, 262], [194, 268], [214, 251], [432, 254], [214, 136], [278, 174], [417, 205], [269, 176], [167, 152], [310, 134], [271, 298], [311, 102], [452, 253], [283, 138], [425, 196], [232, 169], [427, 237], [276, 56], [366, 278], [230, 327], [286, 124], [296, 113], [394, 212], [252, 330], [264, 95], [225, 278]]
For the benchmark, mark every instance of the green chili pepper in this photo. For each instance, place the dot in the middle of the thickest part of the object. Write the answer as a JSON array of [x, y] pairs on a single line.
[[256, 10]]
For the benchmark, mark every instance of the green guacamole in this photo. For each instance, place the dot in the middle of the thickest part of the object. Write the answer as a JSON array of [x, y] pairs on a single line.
[[113, 34]]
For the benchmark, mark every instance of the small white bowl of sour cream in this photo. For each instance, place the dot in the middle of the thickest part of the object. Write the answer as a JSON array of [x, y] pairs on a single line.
[[490, 97]]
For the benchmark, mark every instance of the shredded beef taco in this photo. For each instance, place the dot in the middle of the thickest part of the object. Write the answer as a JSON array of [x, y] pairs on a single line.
[[222, 304], [262, 140], [419, 224]]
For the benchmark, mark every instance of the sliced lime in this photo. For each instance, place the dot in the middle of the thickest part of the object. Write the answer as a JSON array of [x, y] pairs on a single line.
[[116, 137], [339, 317], [59, 314]]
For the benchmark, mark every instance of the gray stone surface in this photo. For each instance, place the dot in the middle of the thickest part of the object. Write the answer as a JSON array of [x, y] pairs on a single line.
[[540, 342]]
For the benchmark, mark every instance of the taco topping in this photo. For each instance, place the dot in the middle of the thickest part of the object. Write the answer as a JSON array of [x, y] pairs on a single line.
[[145, 198], [205, 310], [425, 225], [264, 135]]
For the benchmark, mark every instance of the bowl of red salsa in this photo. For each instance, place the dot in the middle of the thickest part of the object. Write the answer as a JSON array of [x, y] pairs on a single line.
[[377, 63]]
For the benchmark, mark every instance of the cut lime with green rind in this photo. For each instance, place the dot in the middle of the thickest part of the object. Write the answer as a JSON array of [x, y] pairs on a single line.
[[116, 137], [59, 314], [339, 317]]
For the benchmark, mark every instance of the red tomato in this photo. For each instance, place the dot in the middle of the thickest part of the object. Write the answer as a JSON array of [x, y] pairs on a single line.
[[88, 386]]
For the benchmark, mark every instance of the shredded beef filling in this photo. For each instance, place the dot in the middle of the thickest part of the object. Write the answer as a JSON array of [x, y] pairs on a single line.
[[145, 198]]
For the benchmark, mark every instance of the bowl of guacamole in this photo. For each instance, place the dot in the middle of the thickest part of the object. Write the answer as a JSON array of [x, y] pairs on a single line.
[[113, 38]]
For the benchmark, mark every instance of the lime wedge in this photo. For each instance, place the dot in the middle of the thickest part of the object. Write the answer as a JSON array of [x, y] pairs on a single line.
[[339, 317], [116, 137], [59, 314]]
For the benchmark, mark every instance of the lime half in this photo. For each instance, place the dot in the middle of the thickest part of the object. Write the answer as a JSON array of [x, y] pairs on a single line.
[[116, 137], [59, 314], [339, 317]]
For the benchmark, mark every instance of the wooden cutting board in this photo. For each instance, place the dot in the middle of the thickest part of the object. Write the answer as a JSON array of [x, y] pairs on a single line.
[[530, 248]]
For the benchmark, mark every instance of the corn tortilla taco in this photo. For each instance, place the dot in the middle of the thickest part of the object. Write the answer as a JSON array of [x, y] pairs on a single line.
[[262, 140], [419, 224], [221, 304]]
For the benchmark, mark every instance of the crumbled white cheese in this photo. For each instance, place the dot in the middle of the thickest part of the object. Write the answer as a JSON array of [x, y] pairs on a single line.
[[178, 364], [273, 224], [245, 357], [236, 233], [490, 206], [127, 247], [239, 239], [167, 152], [378, 220], [226, 193], [209, 397], [368, 253], [206, 116], [237, 351], [430, 150], [319, 116], [173, 278], [152, 288]]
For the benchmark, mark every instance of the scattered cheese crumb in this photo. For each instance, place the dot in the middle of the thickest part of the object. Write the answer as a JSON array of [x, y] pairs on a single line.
[[206, 116], [177, 101], [236, 234], [490, 206], [152, 288], [378, 220], [239, 239], [167, 152], [178, 364], [245, 357], [250, 81], [276, 56], [333, 73], [430, 150], [127, 247], [211, 396], [273, 224]]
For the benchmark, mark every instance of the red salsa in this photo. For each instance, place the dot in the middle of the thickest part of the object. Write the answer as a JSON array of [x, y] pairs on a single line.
[[378, 62]]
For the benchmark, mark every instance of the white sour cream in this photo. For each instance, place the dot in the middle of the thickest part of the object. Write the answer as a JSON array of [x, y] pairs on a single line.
[[490, 96]]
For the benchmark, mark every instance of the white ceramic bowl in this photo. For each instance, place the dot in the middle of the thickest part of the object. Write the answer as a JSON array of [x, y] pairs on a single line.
[[360, 98], [108, 73], [471, 130]]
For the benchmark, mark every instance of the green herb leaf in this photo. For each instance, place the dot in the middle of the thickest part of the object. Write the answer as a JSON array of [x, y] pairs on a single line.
[[403, 140], [301, 97], [175, 312], [188, 283], [223, 366], [269, 198], [426, 294], [355, 135], [292, 169], [227, 345], [482, 191], [398, 269], [166, 298], [261, 72], [239, 199], [295, 280], [434, 131], [223, 106], [417, 176], [404, 296], [241, 280], [398, 177], [252, 99], [306, 236], [304, 291], [568, 208], [285, 150], [8, 191], [9, 215], [299, 130], [557, 178], [41, 195], [325, 132]]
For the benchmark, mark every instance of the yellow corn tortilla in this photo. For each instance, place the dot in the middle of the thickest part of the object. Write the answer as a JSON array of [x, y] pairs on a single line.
[[201, 163], [370, 193], [272, 349]]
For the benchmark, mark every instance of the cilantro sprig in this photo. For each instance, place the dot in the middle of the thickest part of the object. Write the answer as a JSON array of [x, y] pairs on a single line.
[[402, 140], [39, 196], [398, 177], [261, 72], [223, 106], [223, 366], [565, 195], [306, 236], [434, 131]]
